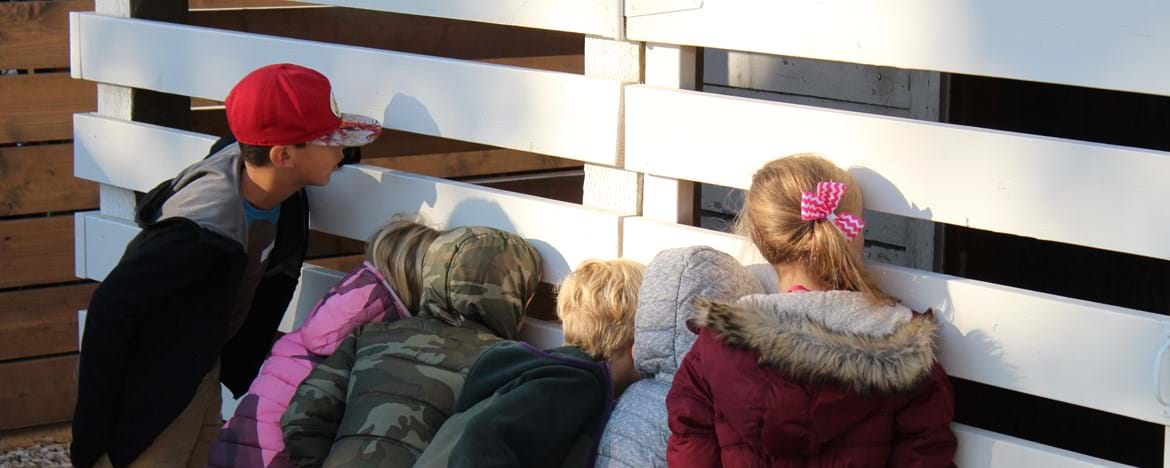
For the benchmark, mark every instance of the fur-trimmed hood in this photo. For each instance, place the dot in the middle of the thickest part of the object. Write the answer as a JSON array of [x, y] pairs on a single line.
[[829, 336]]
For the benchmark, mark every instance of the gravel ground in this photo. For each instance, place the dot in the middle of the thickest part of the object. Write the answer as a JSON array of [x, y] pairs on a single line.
[[37, 456]]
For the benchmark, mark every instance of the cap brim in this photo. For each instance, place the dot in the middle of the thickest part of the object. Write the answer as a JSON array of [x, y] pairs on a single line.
[[355, 130]]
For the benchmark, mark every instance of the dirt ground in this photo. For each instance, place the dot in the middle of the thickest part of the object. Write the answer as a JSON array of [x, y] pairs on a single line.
[[35, 448]]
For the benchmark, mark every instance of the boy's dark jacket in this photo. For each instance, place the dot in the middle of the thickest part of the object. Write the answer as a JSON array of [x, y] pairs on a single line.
[[157, 323], [523, 407]]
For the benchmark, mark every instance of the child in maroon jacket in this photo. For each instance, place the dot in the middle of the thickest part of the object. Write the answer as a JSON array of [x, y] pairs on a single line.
[[832, 372]]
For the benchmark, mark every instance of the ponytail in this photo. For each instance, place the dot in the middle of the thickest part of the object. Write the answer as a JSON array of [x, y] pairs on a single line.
[[771, 218]]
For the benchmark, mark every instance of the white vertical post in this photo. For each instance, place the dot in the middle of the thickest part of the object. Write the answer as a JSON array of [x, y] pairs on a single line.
[[613, 188], [115, 101], [664, 198], [1166, 449]]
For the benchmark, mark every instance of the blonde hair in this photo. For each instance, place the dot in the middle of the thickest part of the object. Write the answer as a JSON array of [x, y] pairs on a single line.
[[771, 218], [596, 305], [396, 251]]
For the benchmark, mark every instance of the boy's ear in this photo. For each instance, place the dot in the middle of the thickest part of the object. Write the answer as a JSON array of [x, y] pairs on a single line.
[[280, 156]]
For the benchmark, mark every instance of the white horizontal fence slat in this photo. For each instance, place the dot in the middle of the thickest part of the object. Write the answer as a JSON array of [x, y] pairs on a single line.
[[558, 114], [132, 155], [597, 17], [105, 241], [358, 200], [1114, 45], [1010, 338], [1089, 194], [316, 282], [362, 198], [980, 448]]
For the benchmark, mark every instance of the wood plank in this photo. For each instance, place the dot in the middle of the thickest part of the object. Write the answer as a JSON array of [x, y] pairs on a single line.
[[378, 194], [341, 264], [483, 103], [566, 186], [317, 277], [101, 243], [102, 151], [39, 322], [405, 33], [36, 34], [1116, 45], [37, 392], [39, 179], [993, 180], [40, 107], [36, 251], [598, 17], [992, 334], [472, 163], [404, 151], [361, 197], [315, 282], [807, 100], [329, 245], [850, 82], [979, 448], [229, 4], [568, 63]]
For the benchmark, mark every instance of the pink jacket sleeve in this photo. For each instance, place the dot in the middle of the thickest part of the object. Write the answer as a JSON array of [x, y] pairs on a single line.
[[922, 429], [359, 298], [691, 415]]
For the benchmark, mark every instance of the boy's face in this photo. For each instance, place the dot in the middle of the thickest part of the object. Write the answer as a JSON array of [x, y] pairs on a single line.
[[314, 164]]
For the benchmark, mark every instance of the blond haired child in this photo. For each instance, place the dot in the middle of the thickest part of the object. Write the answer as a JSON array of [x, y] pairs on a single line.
[[525, 407], [596, 305], [831, 371], [385, 288]]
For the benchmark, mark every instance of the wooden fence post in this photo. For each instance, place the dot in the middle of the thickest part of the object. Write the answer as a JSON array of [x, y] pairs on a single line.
[[141, 105], [613, 188]]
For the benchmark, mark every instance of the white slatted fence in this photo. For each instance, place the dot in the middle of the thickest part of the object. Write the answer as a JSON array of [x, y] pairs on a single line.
[[1101, 196], [558, 114], [358, 201], [1114, 45], [999, 181], [596, 17]]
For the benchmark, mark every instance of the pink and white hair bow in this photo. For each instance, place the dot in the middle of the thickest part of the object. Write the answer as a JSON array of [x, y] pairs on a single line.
[[823, 203]]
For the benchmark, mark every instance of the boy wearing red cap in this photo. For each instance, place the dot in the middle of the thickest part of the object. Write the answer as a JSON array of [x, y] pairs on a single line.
[[198, 294]]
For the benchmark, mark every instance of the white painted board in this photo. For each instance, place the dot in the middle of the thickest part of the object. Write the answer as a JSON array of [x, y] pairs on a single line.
[[1114, 45], [132, 155], [542, 333], [848, 82], [596, 17], [1089, 194], [316, 282], [558, 114], [980, 448], [361, 198], [105, 241], [1088, 354]]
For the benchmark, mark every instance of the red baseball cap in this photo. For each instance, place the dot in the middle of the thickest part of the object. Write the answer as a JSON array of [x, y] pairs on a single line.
[[287, 104]]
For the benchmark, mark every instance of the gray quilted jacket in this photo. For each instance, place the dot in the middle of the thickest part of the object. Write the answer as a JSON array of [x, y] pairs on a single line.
[[637, 430]]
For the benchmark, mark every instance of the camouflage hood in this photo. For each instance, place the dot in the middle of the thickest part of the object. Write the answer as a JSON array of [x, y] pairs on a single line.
[[480, 273]]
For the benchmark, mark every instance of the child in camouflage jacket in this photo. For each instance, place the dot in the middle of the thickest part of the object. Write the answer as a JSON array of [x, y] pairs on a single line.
[[388, 388]]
